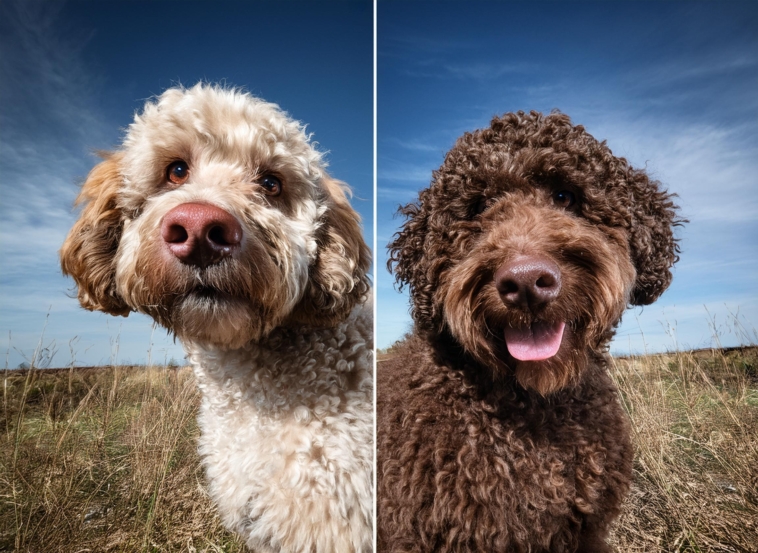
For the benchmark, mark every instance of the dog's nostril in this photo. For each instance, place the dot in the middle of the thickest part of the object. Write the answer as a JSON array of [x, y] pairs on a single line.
[[507, 287], [216, 235], [224, 234], [175, 234], [546, 281]]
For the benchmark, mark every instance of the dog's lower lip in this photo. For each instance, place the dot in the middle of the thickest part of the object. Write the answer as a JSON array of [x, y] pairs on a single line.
[[537, 342]]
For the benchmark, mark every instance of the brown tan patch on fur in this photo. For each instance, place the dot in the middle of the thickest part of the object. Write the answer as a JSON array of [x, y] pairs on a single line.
[[90, 247], [337, 279]]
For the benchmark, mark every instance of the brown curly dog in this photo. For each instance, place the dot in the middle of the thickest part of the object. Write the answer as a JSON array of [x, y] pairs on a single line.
[[499, 428]]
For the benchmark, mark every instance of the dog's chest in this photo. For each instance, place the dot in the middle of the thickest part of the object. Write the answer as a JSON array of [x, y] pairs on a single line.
[[286, 428], [512, 461], [294, 404], [286, 406]]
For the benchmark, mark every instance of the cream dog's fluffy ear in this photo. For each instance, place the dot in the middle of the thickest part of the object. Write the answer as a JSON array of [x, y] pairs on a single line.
[[89, 250], [337, 279]]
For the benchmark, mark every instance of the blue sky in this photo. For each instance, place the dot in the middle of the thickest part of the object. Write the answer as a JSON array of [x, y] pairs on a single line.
[[672, 86], [71, 77]]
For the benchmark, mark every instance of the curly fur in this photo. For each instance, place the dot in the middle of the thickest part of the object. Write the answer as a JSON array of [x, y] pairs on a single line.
[[481, 451], [279, 333]]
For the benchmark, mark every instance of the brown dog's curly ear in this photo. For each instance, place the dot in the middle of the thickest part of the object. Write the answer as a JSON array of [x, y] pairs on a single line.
[[415, 263], [337, 279], [90, 247], [653, 247]]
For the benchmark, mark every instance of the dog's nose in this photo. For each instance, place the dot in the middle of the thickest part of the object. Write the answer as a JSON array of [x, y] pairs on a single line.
[[201, 234], [528, 282]]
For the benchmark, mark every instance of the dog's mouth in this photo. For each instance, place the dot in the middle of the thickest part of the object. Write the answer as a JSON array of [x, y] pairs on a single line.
[[536, 342], [204, 292], [203, 297]]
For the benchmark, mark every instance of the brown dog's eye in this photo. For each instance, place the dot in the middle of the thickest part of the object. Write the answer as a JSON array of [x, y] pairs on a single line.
[[481, 206], [271, 185], [178, 172], [564, 199]]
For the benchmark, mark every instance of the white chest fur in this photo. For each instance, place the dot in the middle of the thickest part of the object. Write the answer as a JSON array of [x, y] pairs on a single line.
[[287, 442]]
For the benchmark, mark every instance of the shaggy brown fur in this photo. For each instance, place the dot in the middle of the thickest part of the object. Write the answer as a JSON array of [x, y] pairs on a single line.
[[481, 451]]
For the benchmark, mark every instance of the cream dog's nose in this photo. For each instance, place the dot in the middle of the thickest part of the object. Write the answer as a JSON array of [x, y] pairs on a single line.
[[201, 234]]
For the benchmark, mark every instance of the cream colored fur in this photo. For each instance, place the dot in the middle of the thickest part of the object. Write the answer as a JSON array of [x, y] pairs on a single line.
[[279, 335], [286, 436]]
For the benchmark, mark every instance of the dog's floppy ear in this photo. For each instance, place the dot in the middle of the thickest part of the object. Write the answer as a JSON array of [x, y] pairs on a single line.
[[653, 246], [337, 279], [412, 259], [89, 250]]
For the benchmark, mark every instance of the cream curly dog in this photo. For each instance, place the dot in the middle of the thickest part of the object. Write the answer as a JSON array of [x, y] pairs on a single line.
[[217, 219]]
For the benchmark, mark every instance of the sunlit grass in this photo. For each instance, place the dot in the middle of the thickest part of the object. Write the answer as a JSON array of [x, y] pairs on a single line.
[[104, 459], [695, 430]]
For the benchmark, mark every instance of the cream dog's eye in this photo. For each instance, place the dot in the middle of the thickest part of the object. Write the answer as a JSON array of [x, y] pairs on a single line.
[[271, 185], [177, 172]]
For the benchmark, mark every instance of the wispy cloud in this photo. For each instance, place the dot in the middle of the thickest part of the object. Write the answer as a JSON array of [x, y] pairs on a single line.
[[50, 124], [415, 145], [425, 43], [397, 194], [396, 171], [483, 71], [686, 68]]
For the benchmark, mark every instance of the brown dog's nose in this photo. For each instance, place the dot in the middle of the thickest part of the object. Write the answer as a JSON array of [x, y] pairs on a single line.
[[528, 282], [201, 234]]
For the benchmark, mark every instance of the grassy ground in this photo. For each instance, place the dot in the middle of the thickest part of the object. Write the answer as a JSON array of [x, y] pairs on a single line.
[[695, 421], [105, 459]]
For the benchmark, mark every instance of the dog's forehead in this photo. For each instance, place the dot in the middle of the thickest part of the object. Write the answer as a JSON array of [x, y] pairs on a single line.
[[224, 136], [217, 117]]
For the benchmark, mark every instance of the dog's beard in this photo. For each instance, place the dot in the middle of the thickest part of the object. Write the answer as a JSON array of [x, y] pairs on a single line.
[[227, 305], [210, 316]]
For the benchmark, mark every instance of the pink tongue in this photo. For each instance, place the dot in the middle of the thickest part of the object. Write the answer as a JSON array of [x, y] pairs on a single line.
[[535, 343]]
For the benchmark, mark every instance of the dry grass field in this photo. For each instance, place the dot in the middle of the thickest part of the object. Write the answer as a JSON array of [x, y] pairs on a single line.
[[104, 459], [695, 429]]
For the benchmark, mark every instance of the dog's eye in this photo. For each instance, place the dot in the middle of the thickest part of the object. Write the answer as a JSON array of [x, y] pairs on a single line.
[[481, 206], [564, 199], [271, 185], [177, 172]]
